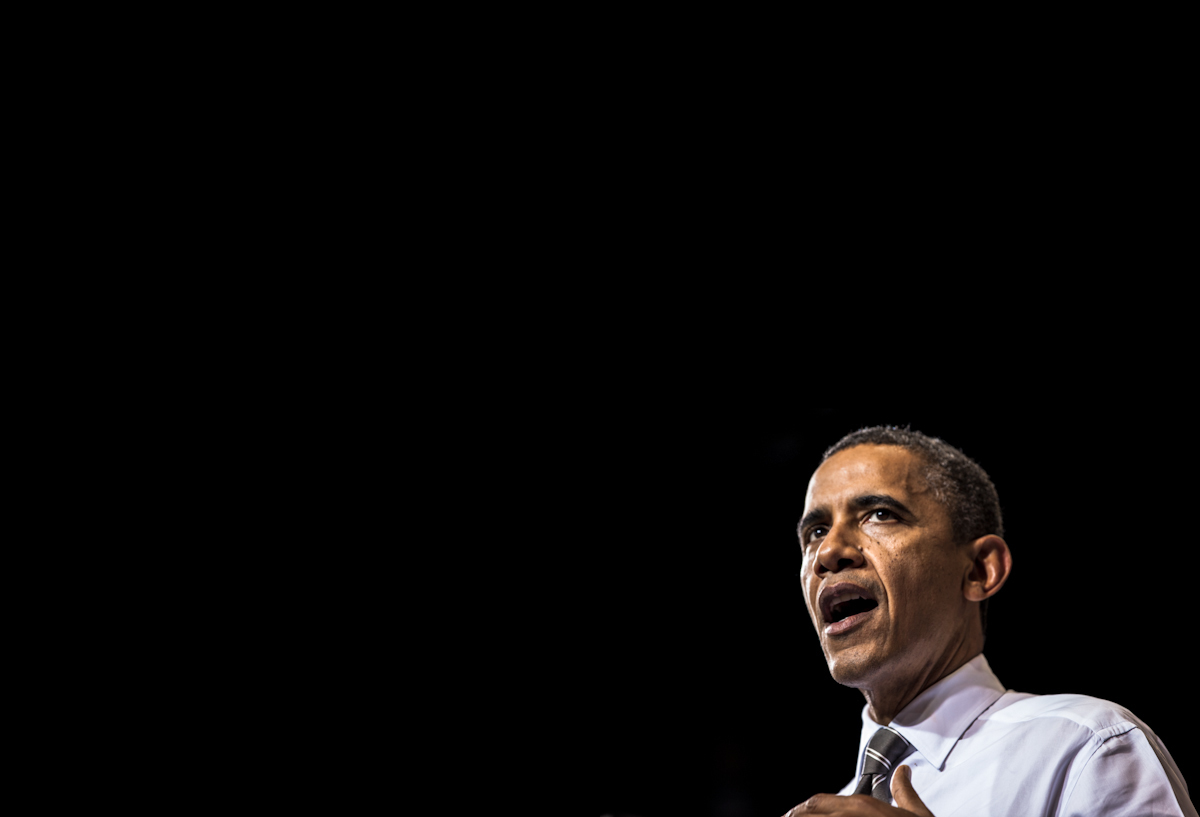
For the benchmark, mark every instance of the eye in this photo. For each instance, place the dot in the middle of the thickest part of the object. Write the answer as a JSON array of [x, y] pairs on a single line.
[[816, 532], [882, 515]]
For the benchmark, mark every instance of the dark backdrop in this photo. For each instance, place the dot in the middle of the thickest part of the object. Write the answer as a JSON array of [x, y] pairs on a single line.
[[677, 670]]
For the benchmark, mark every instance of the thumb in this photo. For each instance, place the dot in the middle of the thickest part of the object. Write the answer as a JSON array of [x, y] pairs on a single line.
[[904, 794]]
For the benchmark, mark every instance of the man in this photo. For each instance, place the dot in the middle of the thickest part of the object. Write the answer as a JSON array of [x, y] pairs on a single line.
[[902, 547]]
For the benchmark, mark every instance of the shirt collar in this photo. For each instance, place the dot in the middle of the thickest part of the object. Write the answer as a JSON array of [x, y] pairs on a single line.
[[935, 720]]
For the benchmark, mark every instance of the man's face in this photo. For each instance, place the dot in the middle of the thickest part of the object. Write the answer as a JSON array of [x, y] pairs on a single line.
[[872, 527]]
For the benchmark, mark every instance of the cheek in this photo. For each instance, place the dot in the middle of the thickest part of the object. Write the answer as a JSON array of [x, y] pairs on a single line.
[[909, 582], [921, 589], [808, 588]]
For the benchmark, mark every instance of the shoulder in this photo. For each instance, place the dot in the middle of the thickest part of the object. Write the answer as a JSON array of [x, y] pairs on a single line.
[[1099, 718], [1076, 752], [1055, 725]]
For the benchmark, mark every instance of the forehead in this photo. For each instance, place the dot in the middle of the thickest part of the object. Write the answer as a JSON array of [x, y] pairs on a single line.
[[868, 469]]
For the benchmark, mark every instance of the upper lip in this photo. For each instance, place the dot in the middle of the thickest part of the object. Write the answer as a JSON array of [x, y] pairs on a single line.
[[834, 593]]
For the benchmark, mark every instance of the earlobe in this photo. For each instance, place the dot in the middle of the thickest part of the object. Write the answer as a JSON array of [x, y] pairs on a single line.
[[990, 565]]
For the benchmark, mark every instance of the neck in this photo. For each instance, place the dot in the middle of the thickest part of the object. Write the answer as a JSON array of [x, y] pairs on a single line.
[[887, 697]]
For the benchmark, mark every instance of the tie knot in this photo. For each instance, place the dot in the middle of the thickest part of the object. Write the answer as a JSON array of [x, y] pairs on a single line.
[[885, 750]]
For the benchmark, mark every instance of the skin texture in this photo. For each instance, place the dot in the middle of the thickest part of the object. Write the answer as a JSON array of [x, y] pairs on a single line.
[[927, 585]]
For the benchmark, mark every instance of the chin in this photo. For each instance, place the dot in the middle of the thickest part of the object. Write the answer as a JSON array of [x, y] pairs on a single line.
[[851, 670]]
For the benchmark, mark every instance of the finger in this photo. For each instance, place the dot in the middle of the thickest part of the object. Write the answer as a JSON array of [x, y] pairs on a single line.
[[905, 795]]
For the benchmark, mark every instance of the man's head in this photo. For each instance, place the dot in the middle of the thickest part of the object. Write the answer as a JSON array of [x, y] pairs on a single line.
[[912, 526], [957, 480]]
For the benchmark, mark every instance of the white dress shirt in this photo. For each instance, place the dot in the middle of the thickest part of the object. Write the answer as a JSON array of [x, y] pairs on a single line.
[[983, 751]]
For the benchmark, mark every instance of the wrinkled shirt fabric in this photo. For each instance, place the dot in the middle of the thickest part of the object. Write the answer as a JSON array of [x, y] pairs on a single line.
[[985, 751]]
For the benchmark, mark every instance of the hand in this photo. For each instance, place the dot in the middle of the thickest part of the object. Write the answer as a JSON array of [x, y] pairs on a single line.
[[864, 805]]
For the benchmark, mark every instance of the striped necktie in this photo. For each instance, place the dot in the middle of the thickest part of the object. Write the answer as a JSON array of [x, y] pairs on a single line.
[[883, 754]]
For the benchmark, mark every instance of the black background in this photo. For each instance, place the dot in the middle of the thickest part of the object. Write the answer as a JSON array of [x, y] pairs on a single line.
[[674, 664]]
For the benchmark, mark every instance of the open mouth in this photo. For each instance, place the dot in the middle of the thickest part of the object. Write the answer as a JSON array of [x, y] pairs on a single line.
[[845, 609], [844, 600]]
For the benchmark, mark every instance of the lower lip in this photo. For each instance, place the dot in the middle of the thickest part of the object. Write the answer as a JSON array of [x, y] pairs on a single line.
[[839, 627]]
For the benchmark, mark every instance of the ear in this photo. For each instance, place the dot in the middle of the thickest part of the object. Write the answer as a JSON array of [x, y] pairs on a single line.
[[991, 563]]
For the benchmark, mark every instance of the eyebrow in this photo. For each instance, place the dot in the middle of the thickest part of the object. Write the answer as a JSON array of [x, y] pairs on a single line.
[[815, 515], [862, 503], [858, 503]]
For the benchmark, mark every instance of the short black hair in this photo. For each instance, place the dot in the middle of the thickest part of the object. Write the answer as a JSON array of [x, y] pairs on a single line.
[[958, 482]]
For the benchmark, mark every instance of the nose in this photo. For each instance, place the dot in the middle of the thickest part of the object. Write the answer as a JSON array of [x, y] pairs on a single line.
[[837, 552]]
